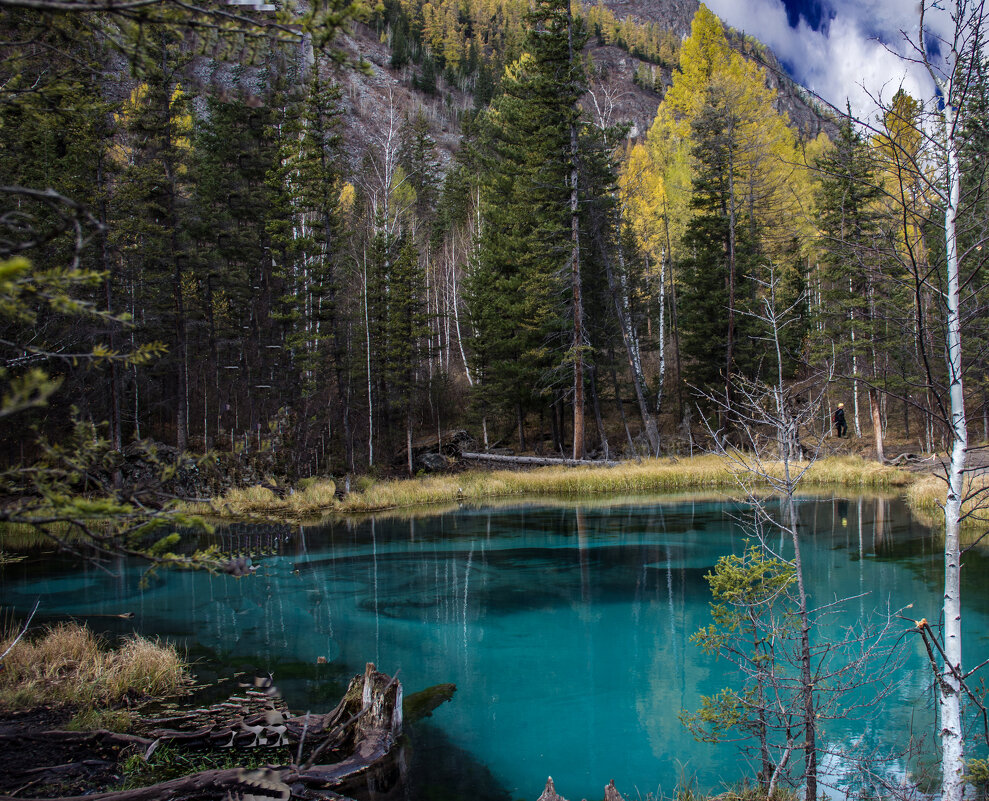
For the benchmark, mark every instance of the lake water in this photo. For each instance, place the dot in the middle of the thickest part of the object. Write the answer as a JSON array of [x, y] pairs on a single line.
[[565, 627]]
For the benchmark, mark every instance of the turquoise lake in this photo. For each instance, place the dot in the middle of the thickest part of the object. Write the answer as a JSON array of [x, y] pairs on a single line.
[[565, 627]]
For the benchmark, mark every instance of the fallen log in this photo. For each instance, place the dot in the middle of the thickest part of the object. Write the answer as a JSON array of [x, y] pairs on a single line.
[[536, 460], [364, 726], [98, 737], [908, 458]]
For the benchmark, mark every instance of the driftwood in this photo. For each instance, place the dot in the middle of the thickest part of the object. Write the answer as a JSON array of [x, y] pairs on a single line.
[[364, 726], [536, 460], [909, 458]]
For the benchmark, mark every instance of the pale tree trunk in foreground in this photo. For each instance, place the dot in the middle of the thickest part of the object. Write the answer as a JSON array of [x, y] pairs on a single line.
[[955, 82], [877, 424], [949, 693]]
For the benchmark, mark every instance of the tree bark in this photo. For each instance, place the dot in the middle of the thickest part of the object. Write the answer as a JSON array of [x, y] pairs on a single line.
[[634, 364], [877, 424], [949, 695], [602, 434]]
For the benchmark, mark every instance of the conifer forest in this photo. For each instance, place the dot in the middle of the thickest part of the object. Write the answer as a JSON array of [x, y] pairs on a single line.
[[563, 231]]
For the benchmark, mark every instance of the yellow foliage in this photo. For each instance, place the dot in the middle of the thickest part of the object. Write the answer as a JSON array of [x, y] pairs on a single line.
[[347, 198], [899, 154], [703, 53], [180, 116], [771, 178]]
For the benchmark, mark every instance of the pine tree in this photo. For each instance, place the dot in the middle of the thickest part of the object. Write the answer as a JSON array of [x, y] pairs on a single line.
[[406, 333], [717, 291], [57, 125], [245, 248], [531, 245], [316, 180], [150, 219]]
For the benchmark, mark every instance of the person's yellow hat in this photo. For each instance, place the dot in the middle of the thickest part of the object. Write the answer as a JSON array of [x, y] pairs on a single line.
[[841, 405]]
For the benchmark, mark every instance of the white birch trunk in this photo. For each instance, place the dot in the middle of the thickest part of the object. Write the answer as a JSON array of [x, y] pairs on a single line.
[[949, 700], [855, 372], [370, 403], [447, 292], [433, 350], [456, 323]]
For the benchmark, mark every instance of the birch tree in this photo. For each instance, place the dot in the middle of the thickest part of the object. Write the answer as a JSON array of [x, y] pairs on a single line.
[[944, 256], [954, 78]]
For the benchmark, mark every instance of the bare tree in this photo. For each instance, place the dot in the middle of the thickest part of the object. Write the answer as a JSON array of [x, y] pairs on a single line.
[[769, 415]]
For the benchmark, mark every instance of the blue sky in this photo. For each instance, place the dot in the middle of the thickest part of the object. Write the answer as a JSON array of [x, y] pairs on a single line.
[[838, 48]]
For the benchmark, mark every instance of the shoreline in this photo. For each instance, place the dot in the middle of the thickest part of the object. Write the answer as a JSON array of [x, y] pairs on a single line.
[[319, 497]]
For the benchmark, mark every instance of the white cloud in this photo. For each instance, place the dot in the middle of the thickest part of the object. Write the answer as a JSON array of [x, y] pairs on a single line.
[[854, 57]]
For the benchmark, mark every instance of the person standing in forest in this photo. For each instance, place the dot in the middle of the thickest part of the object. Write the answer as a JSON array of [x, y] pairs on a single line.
[[839, 420]]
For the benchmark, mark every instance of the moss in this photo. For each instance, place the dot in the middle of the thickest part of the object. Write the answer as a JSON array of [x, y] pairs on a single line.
[[91, 719], [422, 704]]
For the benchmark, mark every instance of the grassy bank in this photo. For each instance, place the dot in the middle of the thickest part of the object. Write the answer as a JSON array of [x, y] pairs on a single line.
[[926, 496], [68, 665], [310, 497], [653, 475]]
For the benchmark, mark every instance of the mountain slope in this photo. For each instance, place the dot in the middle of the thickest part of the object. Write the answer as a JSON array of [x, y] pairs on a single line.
[[624, 87]]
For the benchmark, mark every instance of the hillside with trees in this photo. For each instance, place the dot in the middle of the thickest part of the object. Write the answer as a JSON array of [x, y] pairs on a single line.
[[550, 226]]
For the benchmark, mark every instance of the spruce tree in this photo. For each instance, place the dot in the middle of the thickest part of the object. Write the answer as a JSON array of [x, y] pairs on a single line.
[[150, 219], [529, 263], [851, 314], [721, 256]]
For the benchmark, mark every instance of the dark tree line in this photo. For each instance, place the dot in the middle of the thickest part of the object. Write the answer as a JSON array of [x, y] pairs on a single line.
[[550, 288]]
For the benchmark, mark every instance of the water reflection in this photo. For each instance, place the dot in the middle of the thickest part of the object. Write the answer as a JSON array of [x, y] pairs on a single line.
[[565, 626]]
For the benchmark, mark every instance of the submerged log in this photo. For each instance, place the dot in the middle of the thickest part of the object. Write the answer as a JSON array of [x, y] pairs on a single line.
[[550, 794], [364, 727], [422, 704], [536, 460]]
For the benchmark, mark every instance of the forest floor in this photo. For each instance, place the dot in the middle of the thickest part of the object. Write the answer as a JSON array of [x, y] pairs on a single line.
[[29, 769], [977, 458]]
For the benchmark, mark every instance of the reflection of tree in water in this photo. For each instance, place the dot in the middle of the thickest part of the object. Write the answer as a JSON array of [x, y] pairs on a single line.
[[601, 600], [440, 770]]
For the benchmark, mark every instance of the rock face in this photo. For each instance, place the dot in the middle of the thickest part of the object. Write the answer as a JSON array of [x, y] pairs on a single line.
[[796, 102], [384, 96], [674, 15]]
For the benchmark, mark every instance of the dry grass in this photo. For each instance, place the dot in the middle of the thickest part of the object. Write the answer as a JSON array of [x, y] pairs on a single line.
[[927, 494], [654, 475], [316, 497], [67, 664], [312, 497], [20, 537], [855, 472]]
